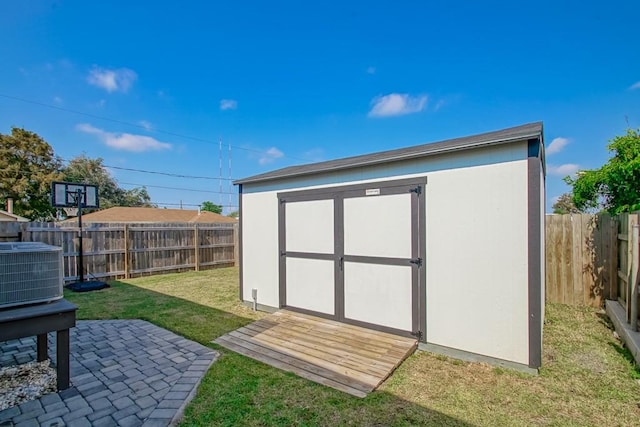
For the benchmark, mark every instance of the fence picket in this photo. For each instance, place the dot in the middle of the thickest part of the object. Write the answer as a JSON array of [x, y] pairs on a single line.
[[113, 251]]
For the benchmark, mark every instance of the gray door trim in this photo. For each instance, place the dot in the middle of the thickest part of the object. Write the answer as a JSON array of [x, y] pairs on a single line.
[[308, 255], [338, 266], [282, 248], [331, 192], [422, 274], [415, 272], [362, 259], [338, 194]]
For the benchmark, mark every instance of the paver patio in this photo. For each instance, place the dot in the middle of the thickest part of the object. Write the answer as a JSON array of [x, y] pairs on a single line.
[[123, 373]]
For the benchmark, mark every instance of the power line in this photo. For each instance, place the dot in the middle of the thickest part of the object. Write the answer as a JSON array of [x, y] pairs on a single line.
[[189, 204], [122, 122], [172, 188], [174, 175]]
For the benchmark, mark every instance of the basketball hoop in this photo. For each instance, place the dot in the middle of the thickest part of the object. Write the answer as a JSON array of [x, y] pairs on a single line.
[[75, 196], [70, 211]]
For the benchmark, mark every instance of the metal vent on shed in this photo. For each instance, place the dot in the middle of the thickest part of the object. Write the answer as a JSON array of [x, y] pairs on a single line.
[[30, 272]]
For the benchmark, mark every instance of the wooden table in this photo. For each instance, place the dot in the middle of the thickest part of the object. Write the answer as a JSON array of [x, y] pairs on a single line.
[[40, 319]]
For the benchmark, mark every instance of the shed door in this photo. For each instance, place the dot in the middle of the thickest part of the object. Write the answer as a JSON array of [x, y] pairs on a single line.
[[310, 255], [353, 254]]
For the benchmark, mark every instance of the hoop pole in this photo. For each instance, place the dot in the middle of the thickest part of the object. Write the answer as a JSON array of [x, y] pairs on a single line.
[[80, 258]]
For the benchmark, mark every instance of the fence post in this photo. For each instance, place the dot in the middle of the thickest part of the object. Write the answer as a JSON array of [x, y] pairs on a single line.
[[633, 296], [631, 222], [23, 231], [196, 246], [613, 258], [236, 244], [126, 251]]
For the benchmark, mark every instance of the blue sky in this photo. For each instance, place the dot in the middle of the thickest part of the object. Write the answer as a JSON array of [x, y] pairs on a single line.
[[158, 84]]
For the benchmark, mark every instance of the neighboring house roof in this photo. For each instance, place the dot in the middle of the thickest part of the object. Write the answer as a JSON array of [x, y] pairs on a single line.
[[6, 216], [126, 214], [518, 133]]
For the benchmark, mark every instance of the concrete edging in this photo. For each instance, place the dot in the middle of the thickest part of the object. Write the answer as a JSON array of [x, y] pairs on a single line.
[[618, 317], [476, 358]]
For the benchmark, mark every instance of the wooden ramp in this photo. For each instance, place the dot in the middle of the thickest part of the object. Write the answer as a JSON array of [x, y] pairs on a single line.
[[348, 358]]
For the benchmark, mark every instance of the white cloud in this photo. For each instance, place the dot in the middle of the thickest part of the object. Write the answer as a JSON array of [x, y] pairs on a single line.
[[371, 70], [397, 104], [119, 80], [562, 170], [145, 124], [557, 145], [124, 141], [634, 86], [228, 104], [270, 155]]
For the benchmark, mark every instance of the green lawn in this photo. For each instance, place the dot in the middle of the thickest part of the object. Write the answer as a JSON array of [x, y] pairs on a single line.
[[587, 377]]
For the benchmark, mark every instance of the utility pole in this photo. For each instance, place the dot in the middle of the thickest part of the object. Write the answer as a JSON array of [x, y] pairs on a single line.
[[220, 178]]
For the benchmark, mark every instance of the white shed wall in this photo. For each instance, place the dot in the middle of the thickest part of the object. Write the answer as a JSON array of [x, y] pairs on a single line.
[[260, 247], [363, 234], [310, 226], [310, 284], [378, 294], [477, 265]]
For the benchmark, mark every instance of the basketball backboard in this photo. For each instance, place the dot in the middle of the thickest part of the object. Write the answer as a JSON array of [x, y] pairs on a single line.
[[65, 195]]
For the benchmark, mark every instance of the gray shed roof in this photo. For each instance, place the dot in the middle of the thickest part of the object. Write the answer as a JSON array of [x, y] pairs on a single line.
[[518, 133]]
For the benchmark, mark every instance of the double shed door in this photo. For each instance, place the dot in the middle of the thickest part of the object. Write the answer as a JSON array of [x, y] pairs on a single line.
[[354, 254]]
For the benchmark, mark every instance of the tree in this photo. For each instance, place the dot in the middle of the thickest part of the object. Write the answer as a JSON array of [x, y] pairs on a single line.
[[565, 205], [211, 207], [616, 185], [138, 197], [92, 171], [234, 214], [27, 168]]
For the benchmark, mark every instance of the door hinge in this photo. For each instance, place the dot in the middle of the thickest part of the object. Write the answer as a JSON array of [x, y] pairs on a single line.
[[417, 190], [417, 334], [417, 261]]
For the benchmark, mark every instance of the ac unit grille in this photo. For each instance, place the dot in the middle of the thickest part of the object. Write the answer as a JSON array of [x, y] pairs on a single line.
[[29, 273]]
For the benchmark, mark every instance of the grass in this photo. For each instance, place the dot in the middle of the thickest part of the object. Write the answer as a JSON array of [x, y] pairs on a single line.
[[587, 378]]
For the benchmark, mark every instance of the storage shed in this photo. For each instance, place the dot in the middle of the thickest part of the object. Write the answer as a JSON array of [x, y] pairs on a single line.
[[441, 241]]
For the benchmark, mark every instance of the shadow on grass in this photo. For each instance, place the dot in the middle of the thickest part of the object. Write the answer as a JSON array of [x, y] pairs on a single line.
[[238, 390], [621, 349], [604, 320], [195, 321], [626, 354]]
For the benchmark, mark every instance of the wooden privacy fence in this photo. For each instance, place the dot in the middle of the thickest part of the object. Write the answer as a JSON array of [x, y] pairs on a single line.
[[628, 265], [113, 251], [10, 231], [590, 258], [581, 258]]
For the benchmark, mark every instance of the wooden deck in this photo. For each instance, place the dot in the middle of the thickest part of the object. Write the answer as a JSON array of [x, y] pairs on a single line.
[[348, 358]]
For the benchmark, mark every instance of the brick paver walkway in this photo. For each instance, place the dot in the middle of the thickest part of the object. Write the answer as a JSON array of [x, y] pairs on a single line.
[[123, 373]]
